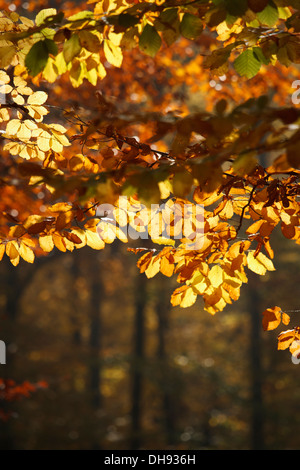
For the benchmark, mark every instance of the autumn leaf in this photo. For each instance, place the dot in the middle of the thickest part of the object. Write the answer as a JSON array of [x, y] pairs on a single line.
[[113, 53], [71, 48], [184, 297], [93, 240], [150, 41], [191, 26], [272, 317], [247, 64], [153, 267], [259, 264], [46, 243], [286, 338], [26, 252], [90, 112]]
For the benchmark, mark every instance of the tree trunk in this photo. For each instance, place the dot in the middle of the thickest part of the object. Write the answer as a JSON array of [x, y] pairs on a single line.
[[257, 424], [138, 362], [95, 343], [14, 288], [162, 311]]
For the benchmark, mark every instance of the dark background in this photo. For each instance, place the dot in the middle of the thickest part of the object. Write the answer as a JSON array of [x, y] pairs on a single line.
[[126, 370]]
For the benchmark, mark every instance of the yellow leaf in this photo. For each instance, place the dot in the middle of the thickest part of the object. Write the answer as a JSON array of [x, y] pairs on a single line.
[[43, 141], [50, 72], [165, 188], [12, 251], [106, 232], [199, 283], [26, 253], [286, 338], [120, 216], [4, 78], [259, 264], [166, 266], [81, 234], [13, 127], [153, 267], [163, 241], [101, 72], [201, 197], [232, 286], [2, 251], [94, 241], [113, 53], [216, 276], [189, 298], [39, 97], [183, 296], [46, 243], [59, 242]]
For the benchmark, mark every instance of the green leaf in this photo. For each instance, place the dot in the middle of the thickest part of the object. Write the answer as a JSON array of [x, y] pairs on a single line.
[[245, 163], [166, 19], [150, 41], [51, 46], [72, 48], [89, 41], [182, 183], [269, 16], [258, 53], [81, 15], [247, 64], [37, 58], [6, 55], [169, 24], [43, 14], [191, 26]]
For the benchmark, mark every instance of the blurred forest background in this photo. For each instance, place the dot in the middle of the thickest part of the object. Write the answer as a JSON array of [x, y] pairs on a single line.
[[126, 370]]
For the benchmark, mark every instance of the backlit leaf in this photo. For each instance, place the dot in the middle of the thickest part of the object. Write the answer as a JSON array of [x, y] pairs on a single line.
[[272, 317], [191, 26], [26, 253], [113, 53], [43, 14], [71, 48], [247, 64], [259, 264], [150, 41]]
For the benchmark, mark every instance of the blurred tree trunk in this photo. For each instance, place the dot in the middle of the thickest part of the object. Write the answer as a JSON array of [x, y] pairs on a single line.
[[138, 361], [95, 342], [12, 292], [162, 311], [254, 304], [14, 284]]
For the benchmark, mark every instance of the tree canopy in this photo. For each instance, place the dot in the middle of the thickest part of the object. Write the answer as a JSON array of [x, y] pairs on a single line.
[[188, 113]]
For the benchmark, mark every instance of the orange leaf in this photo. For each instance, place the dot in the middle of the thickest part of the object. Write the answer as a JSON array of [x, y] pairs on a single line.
[[166, 266], [272, 317], [153, 267], [286, 338], [12, 251], [26, 253]]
